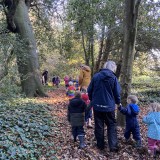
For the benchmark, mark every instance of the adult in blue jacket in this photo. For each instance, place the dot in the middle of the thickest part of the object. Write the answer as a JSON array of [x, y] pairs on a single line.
[[104, 93]]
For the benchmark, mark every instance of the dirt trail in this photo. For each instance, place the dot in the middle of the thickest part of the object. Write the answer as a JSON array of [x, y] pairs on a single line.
[[68, 150]]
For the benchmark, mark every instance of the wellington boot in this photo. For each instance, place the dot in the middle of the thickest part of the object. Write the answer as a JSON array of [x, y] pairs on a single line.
[[81, 139], [138, 144], [90, 123]]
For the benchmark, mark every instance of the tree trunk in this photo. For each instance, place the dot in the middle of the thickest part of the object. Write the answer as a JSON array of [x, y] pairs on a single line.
[[118, 71], [92, 55], [106, 49], [27, 57], [130, 31], [97, 65], [84, 48], [119, 63]]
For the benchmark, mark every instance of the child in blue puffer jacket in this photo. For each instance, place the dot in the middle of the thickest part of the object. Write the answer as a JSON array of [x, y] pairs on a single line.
[[132, 125]]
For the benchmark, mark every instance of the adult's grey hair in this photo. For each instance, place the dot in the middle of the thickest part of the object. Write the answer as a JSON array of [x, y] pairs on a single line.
[[111, 65]]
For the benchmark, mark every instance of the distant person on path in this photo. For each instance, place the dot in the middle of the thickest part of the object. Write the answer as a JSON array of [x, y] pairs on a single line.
[[44, 77], [76, 110], [53, 80], [152, 119], [76, 83], [104, 93], [71, 79], [84, 76], [132, 124], [66, 81], [57, 81]]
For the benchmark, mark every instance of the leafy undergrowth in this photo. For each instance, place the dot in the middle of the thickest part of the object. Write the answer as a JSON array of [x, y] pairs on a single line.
[[26, 128], [68, 150], [38, 130], [147, 89]]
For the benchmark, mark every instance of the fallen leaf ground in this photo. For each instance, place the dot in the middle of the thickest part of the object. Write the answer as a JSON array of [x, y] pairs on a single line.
[[66, 149]]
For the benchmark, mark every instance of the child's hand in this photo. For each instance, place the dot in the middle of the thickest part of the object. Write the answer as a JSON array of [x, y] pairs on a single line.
[[148, 110], [118, 105]]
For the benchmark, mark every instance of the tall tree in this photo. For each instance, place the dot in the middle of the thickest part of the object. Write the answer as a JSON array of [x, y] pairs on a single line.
[[130, 31], [27, 58], [82, 13], [101, 46]]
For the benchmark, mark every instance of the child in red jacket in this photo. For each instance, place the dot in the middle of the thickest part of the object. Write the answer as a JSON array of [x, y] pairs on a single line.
[[88, 113]]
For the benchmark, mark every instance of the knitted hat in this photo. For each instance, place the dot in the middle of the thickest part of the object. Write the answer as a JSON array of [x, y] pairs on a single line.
[[70, 83]]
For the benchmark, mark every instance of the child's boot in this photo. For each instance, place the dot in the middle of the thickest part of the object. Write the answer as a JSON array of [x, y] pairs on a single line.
[[127, 141], [81, 139], [138, 144], [75, 138], [89, 123], [155, 153]]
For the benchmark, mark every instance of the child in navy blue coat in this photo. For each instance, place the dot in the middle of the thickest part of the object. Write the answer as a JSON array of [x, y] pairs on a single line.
[[76, 117], [132, 125]]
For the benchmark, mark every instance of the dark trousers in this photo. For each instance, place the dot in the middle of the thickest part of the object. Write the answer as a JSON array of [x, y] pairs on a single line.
[[88, 114], [107, 118], [44, 81], [134, 130], [77, 130]]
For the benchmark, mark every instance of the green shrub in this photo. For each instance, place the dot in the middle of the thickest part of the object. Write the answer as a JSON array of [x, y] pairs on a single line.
[[25, 130]]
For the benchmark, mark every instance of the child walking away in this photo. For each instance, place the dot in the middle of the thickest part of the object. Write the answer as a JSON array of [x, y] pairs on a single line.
[[88, 113], [76, 84], [57, 81], [66, 81], [44, 77], [152, 119], [76, 110], [132, 125], [71, 90], [53, 80]]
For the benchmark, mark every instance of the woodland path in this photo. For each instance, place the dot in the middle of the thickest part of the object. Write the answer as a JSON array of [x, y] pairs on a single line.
[[68, 150]]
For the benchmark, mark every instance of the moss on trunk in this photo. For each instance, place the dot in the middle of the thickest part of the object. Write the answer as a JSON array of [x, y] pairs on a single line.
[[27, 56]]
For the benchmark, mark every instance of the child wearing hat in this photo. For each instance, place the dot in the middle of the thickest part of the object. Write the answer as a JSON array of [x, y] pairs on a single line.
[[71, 90]]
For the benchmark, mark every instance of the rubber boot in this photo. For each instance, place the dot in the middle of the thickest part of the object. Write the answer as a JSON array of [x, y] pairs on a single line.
[[138, 144], [155, 153], [89, 123], [81, 139], [75, 138]]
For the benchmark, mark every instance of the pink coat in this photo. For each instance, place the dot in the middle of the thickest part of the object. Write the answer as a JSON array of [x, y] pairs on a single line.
[[66, 80]]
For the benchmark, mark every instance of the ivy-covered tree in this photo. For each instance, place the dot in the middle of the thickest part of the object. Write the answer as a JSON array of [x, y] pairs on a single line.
[[18, 22]]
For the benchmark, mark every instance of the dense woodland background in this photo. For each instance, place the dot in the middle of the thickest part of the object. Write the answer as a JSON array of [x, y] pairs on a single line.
[[59, 35]]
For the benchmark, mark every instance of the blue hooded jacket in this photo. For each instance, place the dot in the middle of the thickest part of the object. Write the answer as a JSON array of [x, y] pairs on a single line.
[[131, 112], [152, 119], [104, 91]]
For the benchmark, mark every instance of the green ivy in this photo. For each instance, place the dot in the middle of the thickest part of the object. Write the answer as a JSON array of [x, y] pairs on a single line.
[[26, 128]]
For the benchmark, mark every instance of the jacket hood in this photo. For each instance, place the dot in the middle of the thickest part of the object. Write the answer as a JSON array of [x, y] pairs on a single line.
[[135, 108], [104, 74], [86, 68], [156, 116]]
